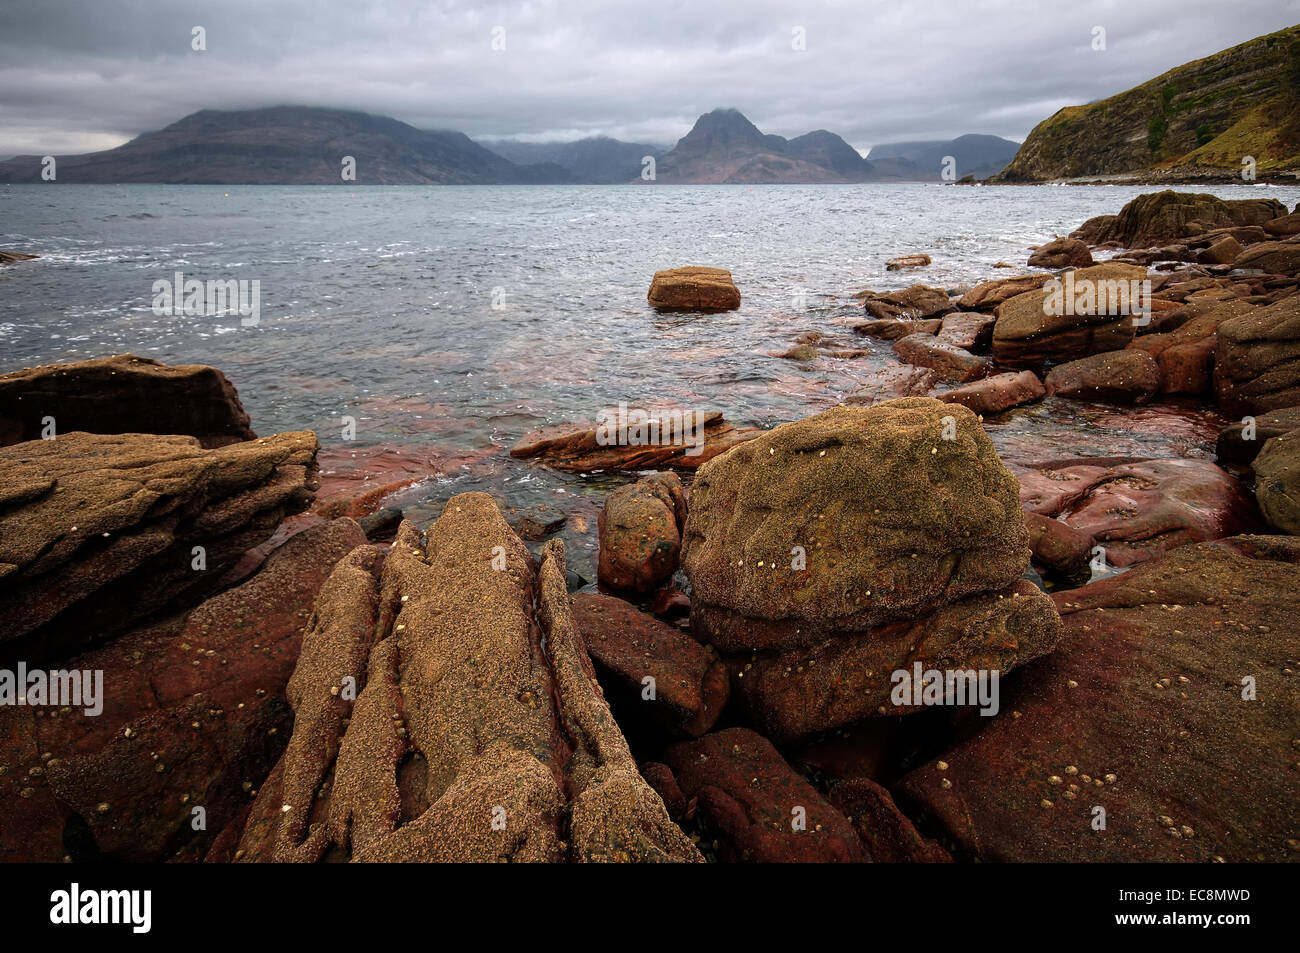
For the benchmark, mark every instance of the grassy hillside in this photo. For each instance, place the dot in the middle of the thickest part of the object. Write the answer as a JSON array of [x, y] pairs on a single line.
[[1197, 119]]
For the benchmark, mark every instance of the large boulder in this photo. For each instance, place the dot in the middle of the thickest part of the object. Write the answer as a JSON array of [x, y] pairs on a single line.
[[1061, 253], [689, 687], [759, 809], [1126, 376], [1257, 359], [848, 520], [1041, 325], [1284, 225], [1155, 218], [910, 304], [693, 288], [99, 530], [967, 329], [193, 711], [640, 533], [1138, 510], [1167, 703], [997, 393], [1277, 482], [122, 394], [445, 709]]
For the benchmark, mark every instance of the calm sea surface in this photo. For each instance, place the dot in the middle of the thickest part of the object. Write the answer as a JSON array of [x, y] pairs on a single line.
[[378, 304]]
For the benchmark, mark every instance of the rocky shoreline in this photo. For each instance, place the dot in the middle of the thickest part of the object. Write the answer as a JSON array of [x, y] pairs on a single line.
[[293, 675]]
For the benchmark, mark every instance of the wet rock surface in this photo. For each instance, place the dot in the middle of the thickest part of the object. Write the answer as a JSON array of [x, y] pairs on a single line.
[[640, 533], [579, 449], [693, 288]]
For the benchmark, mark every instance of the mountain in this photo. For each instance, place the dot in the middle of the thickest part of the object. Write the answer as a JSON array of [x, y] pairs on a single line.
[[981, 156], [1199, 119], [289, 145], [724, 146], [598, 159]]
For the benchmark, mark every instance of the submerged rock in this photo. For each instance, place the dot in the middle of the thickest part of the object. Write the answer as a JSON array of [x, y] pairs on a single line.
[[899, 380], [1138, 510], [693, 288], [122, 394], [478, 731]]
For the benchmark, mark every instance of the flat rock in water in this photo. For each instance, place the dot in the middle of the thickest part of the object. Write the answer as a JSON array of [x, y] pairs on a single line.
[[693, 288]]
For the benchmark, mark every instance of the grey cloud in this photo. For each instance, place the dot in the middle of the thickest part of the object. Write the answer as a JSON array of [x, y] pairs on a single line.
[[77, 76]]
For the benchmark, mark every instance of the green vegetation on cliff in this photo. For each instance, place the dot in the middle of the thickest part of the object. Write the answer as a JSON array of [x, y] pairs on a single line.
[[1201, 118]]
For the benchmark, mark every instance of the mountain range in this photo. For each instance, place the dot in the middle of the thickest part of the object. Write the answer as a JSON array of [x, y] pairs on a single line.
[[289, 145]]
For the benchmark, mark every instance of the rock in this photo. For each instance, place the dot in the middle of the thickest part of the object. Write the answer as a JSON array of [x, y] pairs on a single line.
[[693, 289], [802, 352], [907, 261], [99, 530], [1279, 258], [382, 524], [795, 693], [910, 304], [682, 444], [947, 360], [1058, 546], [1201, 321], [660, 777], [479, 732], [1222, 252], [892, 519], [9, 257], [122, 394], [640, 533], [989, 294], [1140, 708], [1257, 360], [1027, 333], [1127, 376], [689, 680], [1091, 230], [671, 603], [749, 797], [1277, 482], [1138, 510], [967, 329], [891, 329], [997, 393], [1061, 253], [1284, 225], [900, 380], [1235, 447], [888, 837], [538, 522], [1188, 368], [192, 706], [1158, 217]]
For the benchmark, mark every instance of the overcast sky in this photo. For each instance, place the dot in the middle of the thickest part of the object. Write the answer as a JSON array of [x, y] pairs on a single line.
[[81, 75]]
